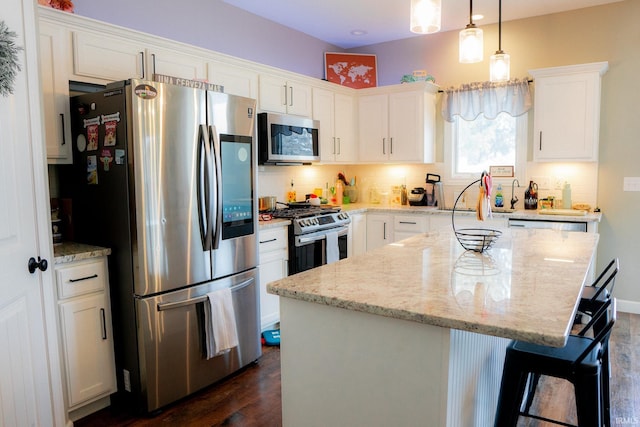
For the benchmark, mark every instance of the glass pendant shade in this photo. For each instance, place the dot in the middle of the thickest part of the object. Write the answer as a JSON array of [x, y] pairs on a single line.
[[426, 16], [499, 67], [471, 45]]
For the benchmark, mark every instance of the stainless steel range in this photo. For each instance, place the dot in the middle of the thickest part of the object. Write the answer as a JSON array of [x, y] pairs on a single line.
[[312, 236]]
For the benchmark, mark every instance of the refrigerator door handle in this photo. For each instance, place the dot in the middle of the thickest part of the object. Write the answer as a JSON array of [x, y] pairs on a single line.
[[204, 183], [217, 153], [169, 305]]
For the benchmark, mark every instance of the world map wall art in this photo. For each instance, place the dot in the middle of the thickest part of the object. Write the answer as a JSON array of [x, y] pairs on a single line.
[[354, 70]]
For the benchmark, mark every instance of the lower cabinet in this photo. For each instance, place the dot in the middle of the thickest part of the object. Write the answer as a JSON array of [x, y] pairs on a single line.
[[86, 333], [405, 226], [357, 243], [273, 266], [379, 230]]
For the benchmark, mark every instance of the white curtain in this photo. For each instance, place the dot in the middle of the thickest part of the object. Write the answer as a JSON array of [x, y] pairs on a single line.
[[470, 100]]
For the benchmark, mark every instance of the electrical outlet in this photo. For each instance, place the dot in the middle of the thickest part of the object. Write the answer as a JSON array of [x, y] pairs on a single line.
[[544, 183], [127, 380], [631, 183]]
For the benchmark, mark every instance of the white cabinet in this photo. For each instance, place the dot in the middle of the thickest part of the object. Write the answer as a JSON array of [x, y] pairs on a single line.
[[379, 230], [273, 266], [405, 226], [86, 333], [357, 241], [397, 123], [280, 95], [235, 80], [336, 113], [111, 58], [54, 57], [567, 112]]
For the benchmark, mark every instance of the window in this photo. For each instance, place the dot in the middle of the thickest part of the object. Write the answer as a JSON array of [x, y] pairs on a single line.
[[472, 146]]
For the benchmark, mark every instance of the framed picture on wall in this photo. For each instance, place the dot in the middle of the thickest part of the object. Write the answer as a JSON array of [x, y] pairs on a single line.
[[355, 70]]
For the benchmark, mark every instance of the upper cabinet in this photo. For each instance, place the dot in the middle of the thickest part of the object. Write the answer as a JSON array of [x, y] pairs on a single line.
[[280, 95], [235, 80], [567, 112], [336, 113], [113, 58], [54, 56], [397, 123]]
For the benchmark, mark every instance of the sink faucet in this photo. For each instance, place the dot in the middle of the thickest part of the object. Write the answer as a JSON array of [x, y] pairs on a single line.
[[514, 199]]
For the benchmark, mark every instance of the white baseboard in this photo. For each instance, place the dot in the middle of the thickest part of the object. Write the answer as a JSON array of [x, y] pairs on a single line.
[[628, 306]]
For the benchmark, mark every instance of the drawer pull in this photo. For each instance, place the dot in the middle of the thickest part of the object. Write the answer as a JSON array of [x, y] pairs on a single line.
[[408, 222], [104, 324], [268, 241], [83, 278]]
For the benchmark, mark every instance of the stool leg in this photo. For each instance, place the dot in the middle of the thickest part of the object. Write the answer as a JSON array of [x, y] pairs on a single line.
[[606, 396], [511, 393], [589, 399], [531, 391]]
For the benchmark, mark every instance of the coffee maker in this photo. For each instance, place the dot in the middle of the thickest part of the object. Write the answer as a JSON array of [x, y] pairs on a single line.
[[421, 196]]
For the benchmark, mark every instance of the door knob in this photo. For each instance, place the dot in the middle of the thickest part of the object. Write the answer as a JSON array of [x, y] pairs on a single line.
[[42, 264]]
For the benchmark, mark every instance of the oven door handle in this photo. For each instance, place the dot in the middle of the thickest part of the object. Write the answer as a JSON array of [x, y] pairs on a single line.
[[321, 235]]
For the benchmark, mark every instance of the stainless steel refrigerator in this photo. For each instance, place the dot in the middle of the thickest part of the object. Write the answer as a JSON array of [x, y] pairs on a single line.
[[165, 176]]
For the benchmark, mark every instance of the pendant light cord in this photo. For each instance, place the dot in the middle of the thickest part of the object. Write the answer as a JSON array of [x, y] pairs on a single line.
[[500, 26]]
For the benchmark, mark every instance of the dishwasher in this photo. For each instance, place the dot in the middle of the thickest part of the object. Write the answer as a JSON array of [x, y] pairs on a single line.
[[553, 225]]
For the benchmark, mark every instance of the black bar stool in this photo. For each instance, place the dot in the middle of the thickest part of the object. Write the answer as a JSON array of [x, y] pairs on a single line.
[[579, 361]]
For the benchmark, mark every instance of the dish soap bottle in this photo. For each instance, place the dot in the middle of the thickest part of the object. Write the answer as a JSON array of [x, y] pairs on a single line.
[[291, 193], [566, 196], [499, 198]]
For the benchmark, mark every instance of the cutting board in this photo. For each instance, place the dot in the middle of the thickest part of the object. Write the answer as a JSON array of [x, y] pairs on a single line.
[[566, 212]]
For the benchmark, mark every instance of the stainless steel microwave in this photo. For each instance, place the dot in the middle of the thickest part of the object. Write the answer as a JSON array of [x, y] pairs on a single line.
[[287, 140]]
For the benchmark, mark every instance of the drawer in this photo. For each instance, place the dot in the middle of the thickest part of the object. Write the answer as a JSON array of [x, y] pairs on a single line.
[[410, 223], [81, 278], [272, 239]]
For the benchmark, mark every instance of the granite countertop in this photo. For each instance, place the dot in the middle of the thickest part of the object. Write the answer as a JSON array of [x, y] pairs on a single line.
[[525, 287], [273, 223], [430, 210], [69, 252]]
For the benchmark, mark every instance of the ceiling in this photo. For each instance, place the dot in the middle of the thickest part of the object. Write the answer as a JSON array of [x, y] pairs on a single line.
[[386, 20]]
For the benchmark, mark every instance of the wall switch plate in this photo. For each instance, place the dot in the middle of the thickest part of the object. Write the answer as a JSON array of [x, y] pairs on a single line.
[[631, 183], [544, 183]]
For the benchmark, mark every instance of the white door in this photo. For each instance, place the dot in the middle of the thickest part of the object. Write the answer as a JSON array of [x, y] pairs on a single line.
[[28, 395]]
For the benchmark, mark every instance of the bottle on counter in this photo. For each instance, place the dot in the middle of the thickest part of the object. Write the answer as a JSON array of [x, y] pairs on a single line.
[[404, 196], [291, 193], [499, 198], [566, 196], [531, 196], [339, 191]]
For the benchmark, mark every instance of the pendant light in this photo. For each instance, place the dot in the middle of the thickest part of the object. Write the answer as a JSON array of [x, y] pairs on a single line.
[[499, 62], [426, 16], [471, 43]]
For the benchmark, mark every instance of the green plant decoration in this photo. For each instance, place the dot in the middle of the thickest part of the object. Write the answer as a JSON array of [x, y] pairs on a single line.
[[9, 66]]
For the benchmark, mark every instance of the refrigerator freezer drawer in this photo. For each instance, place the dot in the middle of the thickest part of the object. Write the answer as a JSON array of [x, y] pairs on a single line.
[[172, 353]]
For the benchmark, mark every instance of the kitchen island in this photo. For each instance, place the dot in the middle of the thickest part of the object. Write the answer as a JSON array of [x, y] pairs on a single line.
[[413, 333]]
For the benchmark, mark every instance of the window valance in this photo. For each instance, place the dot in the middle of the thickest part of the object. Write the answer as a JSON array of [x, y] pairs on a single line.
[[470, 100]]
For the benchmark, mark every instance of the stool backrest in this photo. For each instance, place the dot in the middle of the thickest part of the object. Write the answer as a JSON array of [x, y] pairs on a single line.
[[601, 337], [609, 276]]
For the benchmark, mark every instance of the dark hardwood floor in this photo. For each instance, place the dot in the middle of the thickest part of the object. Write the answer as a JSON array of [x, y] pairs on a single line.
[[251, 398]]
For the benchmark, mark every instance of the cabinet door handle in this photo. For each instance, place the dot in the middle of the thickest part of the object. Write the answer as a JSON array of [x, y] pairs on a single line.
[[334, 145], [339, 146], [291, 100], [104, 324], [142, 63], [391, 145], [153, 62], [83, 278], [267, 241], [64, 141], [384, 231], [540, 141], [286, 97], [383, 141]]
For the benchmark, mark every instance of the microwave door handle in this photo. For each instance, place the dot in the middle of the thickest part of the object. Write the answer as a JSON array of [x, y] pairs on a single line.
[[217, 185], [203, 200]]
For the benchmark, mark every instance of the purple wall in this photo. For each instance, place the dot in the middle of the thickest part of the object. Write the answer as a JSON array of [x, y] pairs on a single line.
[[217, 26]]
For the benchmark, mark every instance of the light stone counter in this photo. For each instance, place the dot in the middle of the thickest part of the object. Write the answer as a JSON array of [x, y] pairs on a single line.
[[414, 333], [70, 251], [528, 275]]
